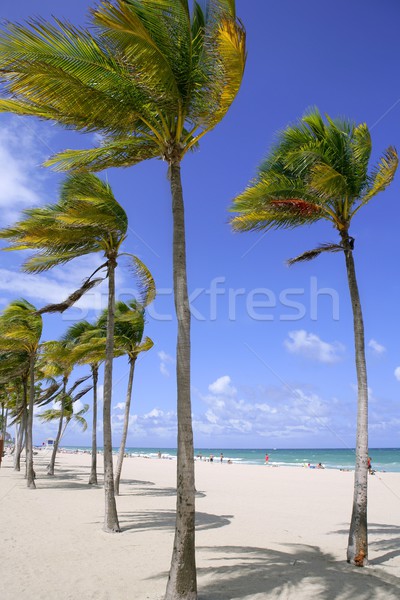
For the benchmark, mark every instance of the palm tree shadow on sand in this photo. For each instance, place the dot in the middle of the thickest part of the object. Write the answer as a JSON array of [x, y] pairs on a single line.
[[165, 519], [302, 573]]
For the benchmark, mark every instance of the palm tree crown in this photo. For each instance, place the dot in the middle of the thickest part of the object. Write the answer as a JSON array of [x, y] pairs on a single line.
[[86, 219], [154, 77], [317, 170]]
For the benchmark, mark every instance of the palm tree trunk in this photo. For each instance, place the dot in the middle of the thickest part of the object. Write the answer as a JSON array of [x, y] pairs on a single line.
[[19, 442], [93, 470], [50, 467], [111, 524], [30, 474], [4, 418], [182, 584], [357, 549], [121, 453]]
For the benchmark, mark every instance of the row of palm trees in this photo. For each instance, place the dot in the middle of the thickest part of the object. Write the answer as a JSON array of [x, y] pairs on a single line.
[[153, 77], [86, 219], [83, 343]]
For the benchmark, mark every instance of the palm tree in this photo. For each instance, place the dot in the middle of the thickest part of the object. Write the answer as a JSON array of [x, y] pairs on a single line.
[[155, 80], [129, 327], [86, 219], [66, 412], [57, 361], [20, 332], [319, 170], [14, 373], [81, 334]]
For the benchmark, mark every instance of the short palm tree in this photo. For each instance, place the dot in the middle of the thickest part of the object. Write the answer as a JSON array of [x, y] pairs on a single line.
[[57, 360], [20, 332], [87, 219], [319, 170], [153, 80], [89, 352], [14, 377], [65, 414]]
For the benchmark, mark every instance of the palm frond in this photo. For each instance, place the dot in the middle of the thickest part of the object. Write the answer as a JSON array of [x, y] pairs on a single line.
[[113, 153], [145, 346], [72, 298], [311, 254], [144, 281], [381, 176]]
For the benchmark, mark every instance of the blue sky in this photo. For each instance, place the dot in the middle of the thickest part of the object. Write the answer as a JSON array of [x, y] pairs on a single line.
[[265, 372]]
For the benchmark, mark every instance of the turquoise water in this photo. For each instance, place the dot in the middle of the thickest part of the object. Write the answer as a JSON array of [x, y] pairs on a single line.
[[383, 459]]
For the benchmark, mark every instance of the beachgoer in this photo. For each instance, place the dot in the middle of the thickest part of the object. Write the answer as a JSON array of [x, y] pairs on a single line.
[[320, 466], [211, 458], [221, 457], [369, 466], [266, 458], [159, 454]]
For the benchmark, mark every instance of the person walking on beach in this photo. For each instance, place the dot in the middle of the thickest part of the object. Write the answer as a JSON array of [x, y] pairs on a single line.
[[221, 457], [266, 458]]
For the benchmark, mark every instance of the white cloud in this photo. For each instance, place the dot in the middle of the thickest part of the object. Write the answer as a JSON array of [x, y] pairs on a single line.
[[222, 386], [276, 413], [311, 346], [120, 406], [376, 347], [23, 148], [397, 373], [165, 359]]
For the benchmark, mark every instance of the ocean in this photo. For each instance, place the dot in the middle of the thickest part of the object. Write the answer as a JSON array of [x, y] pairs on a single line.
[[383, 459]]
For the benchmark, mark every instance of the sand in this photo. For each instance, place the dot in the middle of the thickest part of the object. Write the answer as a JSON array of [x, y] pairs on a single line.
[[262, 532]]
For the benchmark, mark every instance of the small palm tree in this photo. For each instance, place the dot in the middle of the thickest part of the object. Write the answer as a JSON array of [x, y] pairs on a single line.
[[14, 371], [318, 170], [87, 219], [20, 332], [89, 350], [57, 361], [66, 413]]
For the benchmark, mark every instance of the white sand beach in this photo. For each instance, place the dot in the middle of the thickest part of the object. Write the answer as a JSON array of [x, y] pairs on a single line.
[[262, 533]]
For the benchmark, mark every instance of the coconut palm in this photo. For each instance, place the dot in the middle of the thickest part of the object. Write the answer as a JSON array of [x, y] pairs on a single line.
[[319, 170], [14, 392], [14, 372], [153, 80], [66, 414], [86, 219], [57, 361], [87, 350], [20, 332], [129, 327]]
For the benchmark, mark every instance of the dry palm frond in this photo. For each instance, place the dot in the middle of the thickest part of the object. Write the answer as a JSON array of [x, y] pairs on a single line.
[[311, 254]]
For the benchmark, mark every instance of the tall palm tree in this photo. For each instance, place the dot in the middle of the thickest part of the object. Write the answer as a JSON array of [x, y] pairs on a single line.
[[87, 352], [129, 328], [20, 332], [86, 219], [319, 170], [153, 80]]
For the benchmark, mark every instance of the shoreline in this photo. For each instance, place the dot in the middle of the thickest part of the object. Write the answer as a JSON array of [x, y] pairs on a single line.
[[170, 454]]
